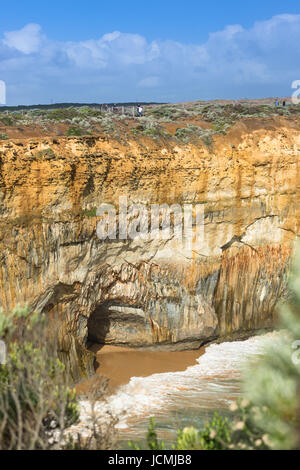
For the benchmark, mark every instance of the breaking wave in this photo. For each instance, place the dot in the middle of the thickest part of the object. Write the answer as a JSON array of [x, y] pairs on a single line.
[[212, 383]]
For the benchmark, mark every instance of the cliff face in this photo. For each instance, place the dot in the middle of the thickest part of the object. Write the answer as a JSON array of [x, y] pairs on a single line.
[[149, 292]]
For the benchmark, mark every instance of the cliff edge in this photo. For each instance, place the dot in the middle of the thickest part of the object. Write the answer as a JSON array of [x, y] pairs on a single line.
[[149, 293]]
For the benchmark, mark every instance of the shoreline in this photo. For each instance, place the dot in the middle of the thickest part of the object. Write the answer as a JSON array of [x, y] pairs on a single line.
[[119, 364]]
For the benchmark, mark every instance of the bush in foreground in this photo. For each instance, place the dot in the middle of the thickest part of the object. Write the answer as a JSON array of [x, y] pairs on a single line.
[[37, 407]]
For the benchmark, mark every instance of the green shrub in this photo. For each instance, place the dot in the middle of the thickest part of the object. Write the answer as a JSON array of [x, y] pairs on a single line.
[[74, 131], [207, 140], [153, 132], [7, 121], [4, 136], [63, 114], [89, 112], [36, 405], [138, 129], [18, 116], [90, 212], [162, 112], [187, 134], [45, 153], [215, 436]]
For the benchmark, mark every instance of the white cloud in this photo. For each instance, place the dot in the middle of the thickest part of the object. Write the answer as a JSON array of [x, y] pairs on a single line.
[[235, 62], [26, 40], [111, 36]]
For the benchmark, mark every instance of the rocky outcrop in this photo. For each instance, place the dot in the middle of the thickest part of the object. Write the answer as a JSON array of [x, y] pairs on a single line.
[[149, 293]]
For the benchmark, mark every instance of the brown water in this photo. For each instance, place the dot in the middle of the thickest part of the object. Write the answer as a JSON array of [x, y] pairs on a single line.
[[178, 388], [121, 364]]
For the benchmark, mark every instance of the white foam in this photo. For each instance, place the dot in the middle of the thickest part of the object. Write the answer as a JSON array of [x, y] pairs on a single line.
[[208, 384]]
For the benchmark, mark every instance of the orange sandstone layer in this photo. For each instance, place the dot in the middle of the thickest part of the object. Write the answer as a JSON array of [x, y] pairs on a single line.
[[149, 293]]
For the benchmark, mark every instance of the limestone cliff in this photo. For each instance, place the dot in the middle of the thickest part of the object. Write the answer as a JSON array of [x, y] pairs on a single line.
[[149, 293]]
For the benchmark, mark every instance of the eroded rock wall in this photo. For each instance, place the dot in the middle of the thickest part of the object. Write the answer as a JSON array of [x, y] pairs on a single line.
[[148, 293]]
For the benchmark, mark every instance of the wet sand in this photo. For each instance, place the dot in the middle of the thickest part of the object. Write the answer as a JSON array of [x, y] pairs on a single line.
[[120, 364]]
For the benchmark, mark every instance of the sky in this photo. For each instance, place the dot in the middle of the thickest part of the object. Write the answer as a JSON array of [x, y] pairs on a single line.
[[155, 50]]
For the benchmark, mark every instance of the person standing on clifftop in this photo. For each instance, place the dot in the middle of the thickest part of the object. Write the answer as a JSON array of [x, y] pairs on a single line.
[[140, 111]]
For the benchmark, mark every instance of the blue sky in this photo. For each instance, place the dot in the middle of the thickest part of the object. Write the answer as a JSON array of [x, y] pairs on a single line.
[[159, 50]]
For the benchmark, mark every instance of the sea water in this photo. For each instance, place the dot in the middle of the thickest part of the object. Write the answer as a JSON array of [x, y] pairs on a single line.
[[187, 398]]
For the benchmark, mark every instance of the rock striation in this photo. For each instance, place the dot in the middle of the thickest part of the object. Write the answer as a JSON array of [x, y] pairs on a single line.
[[149, 293]]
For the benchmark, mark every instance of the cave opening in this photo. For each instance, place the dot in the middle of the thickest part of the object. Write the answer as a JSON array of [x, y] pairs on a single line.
[[115, 323], [99, 324]]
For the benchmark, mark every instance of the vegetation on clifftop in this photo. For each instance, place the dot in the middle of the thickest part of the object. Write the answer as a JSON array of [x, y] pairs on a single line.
[[184, 122]]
